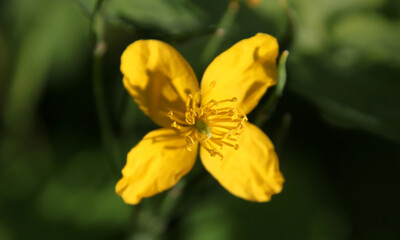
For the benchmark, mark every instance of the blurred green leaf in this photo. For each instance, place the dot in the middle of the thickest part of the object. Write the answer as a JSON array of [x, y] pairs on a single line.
[[4, 63], [173, 17], [86, 6], [82, 194], [378, 43], [347, 69], [208, 220], [322, 221], [5, 232], [315, 16], [225, 24], [23, 169], [52, 43], [366, 99]]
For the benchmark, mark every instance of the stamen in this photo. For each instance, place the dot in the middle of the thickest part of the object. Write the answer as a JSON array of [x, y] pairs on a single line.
[[174, 125], [223, 141], [224, 125], [211, 103], [200, 112], [189, 143], [234, 99], [195, 99], [188, 100], [190, 118], [212, 151], [189, 132], [225, 108], [171, 116], [224, 119]]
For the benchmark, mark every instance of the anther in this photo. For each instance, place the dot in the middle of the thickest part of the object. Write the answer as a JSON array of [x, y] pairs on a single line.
[[189, 147], [189, 98], [189, 143], [175, 125], [213, 152], [175, 119], [197, 94], [189, 118], [211, 103], [200, 112]]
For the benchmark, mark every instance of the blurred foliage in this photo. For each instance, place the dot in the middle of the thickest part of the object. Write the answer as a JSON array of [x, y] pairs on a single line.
[[349, 45], [336, 126]]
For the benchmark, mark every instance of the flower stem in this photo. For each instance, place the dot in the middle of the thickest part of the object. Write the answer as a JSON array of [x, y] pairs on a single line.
[[171, 199], [107, 134], [292, 28], [216, 39]]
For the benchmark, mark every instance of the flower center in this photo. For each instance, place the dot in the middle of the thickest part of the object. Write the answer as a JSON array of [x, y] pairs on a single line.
[[203, 128], [214, 124]]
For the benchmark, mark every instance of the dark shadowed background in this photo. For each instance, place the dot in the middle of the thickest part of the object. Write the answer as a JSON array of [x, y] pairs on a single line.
[[67, 123]]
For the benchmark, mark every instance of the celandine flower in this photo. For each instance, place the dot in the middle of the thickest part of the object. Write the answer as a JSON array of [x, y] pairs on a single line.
[[237, 153]]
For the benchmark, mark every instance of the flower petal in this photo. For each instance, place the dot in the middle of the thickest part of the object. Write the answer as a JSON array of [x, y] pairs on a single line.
[[244, 71], [158, 78], [154, 165], [252, 171]]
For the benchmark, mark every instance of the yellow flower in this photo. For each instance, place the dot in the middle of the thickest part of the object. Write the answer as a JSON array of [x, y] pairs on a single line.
[[237, 153]]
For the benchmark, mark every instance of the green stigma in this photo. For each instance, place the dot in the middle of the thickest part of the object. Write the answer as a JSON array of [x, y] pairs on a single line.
[[203, 128]]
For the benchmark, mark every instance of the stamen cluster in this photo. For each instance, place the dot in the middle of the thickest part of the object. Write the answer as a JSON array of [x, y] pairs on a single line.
[[214, 124]]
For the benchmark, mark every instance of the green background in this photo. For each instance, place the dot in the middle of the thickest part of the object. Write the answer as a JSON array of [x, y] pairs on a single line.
[[336, 127]]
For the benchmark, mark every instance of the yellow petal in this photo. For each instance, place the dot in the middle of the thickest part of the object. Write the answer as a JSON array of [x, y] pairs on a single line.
[[252, 171], [154, 165], [158, 78], [244, 71]]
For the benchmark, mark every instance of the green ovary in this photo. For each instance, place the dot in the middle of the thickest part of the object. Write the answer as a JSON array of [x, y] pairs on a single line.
[[203, 128]]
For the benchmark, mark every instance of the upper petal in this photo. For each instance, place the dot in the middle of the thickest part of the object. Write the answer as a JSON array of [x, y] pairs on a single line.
[[244, 71], [154, 165], [252, 171], [158, 78]]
